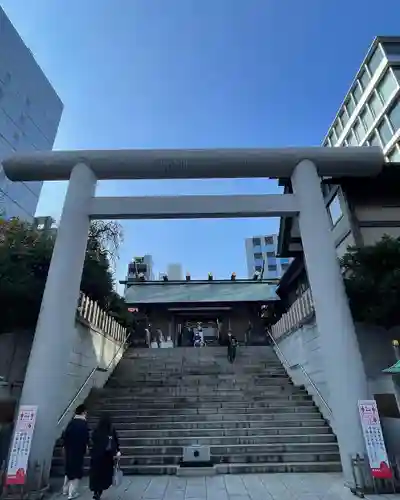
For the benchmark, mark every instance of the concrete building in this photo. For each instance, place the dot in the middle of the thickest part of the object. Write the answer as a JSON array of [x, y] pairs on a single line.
[[174, 272], [261, 253], [30, 112], [302, 171], [368, 116], [140, 267], [45, 223]]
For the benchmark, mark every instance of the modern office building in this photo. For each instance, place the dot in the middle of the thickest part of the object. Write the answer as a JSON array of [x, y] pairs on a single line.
[[174, 272], [261, 254], [140, 268], [370, 113], [30, 112], [368, 116]]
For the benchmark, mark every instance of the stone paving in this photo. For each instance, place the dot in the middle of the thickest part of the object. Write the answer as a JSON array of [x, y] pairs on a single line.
[[233, 487]]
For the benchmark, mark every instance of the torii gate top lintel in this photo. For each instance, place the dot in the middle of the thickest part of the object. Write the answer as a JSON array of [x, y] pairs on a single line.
[[194, 163]]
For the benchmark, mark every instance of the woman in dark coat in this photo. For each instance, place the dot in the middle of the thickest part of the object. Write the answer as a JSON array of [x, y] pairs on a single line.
[[104, 451]]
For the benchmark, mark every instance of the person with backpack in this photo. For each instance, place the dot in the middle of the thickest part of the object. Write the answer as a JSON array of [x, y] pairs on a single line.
[[232, 346], [104, 451]]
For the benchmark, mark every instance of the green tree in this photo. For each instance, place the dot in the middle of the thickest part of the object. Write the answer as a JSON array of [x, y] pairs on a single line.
[[372, 280], [25, 255]]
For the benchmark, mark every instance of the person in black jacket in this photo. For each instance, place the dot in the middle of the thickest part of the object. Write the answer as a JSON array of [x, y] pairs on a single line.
[[104, 451], [232, 346], [75, 441]]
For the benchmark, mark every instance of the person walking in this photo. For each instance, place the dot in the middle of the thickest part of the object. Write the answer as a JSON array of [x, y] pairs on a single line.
[[104, 451], [232, 346], [75, 442]]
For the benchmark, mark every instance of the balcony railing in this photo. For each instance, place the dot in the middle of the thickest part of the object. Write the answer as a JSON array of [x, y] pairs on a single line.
[[90, 311], [299, 311]]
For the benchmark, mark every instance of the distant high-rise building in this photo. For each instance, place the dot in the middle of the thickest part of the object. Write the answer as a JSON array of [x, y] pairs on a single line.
[[30, 112], [140, 268], [174, 272], [261, 254]]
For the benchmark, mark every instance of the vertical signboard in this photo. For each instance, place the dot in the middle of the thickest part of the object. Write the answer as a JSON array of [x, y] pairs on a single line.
[[373, 437], [21, 445]]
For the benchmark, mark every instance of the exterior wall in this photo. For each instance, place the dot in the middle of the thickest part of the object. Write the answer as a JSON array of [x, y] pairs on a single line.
[[274, 267], [369, 113], [91, 349], [301, 348], [174, 272], [30, 112], [98, 340], [301, 353]]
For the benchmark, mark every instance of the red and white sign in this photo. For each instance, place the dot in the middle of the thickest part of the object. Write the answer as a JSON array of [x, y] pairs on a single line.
[[21, 445], [373, 437]]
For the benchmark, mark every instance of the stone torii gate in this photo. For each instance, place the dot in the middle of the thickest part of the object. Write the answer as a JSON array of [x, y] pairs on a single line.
[[48, 361]]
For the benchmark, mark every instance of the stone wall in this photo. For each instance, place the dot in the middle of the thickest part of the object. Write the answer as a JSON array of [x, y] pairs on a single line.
[[301, 349], [91, 349]]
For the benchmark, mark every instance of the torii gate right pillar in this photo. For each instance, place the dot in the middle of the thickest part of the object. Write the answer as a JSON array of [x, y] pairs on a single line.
[[342, 359]]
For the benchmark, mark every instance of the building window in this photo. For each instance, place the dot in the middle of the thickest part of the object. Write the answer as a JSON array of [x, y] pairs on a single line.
[[256, 242], [352, 139], [366, 118], [375, 60], [374, 140], [335, 210], [375, 104], [338, 127], [344, 117], [357, 92], [384, 131], [269, 240], [270, 254], [394, 155], [365, 79], [359, 130], [392, 48], [258, 268], [272, 267], [394, 115], [350, 106], [258, 256], [387, 86]]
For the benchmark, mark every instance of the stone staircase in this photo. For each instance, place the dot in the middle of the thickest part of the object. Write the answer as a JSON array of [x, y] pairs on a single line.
[[249, 413]]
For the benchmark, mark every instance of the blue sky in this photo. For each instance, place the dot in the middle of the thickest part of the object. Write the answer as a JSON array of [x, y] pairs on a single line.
[[196, 74]]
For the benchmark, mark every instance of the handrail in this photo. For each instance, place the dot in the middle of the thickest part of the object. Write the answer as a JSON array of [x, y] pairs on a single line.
[[95, 369], [310, 380]]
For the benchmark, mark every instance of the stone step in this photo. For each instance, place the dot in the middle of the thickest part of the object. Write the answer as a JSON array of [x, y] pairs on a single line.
[[211, 369], [223, 433], [278, 381], [275, 457], [134, 402], [238, 468], [310, 420], [210, 401], [249, 449], [303, 407], [295, 415], [138, 407], [198, 392], [228, 441]]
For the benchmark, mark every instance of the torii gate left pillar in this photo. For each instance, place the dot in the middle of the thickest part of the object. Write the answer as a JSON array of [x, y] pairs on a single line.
[[48, 362]]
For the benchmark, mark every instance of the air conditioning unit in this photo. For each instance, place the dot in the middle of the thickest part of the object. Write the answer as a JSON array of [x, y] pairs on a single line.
[[196, 453]]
